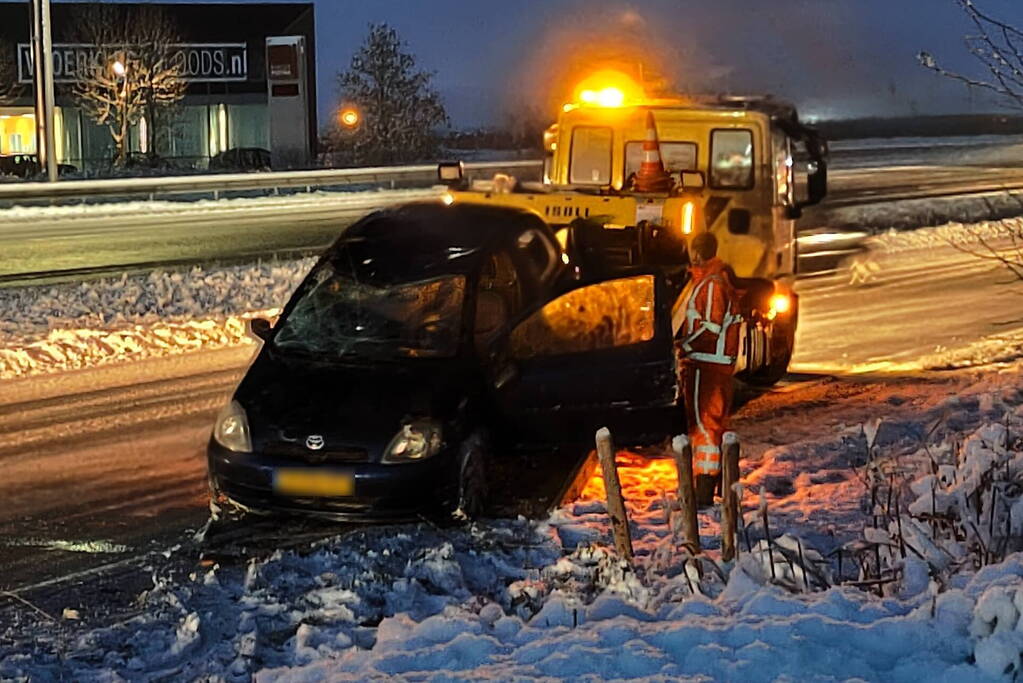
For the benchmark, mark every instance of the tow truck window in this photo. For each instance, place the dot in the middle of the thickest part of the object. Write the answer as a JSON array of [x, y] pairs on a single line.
[[601, 316], [677, 156], [591, 156], [731, 159]]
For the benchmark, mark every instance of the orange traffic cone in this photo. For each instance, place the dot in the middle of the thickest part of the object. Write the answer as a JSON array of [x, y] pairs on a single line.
[[651, 176]]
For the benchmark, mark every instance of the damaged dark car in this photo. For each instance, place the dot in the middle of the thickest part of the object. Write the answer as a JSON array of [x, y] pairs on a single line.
[[430, 339]]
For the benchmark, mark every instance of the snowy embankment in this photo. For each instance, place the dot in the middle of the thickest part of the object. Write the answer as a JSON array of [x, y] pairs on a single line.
[[926, 591], [53, 328], [908, 214]]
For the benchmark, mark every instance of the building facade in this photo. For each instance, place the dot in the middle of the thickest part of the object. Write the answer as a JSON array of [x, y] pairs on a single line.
[[232, 99]]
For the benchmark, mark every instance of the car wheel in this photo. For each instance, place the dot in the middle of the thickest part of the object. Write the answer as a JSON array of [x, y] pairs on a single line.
[[705, 485], [472, 478]]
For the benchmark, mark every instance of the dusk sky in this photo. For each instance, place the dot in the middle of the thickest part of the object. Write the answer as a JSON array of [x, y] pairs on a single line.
[[835, 58]]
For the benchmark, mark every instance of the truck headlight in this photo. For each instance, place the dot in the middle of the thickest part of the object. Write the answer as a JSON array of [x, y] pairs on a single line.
[[416, 441], [232, 429], [780, 304]]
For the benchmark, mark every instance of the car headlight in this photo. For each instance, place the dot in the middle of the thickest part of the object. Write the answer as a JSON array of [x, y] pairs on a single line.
[[232, 429], [416, 441]]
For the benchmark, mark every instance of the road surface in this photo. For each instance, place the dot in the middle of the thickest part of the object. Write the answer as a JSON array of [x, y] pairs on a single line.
[[106, 465], [71, 242]]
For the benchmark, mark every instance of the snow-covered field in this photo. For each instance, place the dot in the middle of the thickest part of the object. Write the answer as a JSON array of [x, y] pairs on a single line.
[[518, 599], [908, 214], [54, 328]]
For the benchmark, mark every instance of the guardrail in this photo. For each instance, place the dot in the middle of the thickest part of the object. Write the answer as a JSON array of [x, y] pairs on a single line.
[[217, 185]]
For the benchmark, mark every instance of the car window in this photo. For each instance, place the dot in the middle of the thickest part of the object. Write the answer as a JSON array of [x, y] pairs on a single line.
[[731, 159], [601, 316], [498, 299], [591, 156], [677, 156], [336, 315]]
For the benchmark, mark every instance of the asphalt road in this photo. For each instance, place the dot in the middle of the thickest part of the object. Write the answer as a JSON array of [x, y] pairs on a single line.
[[71, 242]]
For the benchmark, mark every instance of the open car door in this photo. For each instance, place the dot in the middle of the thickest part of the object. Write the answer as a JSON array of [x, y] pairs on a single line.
[[598, 356]]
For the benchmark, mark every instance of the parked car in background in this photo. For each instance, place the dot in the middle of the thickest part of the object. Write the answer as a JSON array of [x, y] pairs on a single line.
[[241, 159], [27, 166]]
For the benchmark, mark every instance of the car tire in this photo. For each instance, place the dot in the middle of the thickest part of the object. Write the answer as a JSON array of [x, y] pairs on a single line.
[[705, 484], [473, 488]]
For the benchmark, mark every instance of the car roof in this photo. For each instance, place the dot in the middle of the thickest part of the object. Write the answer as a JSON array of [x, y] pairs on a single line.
[[425, 239]]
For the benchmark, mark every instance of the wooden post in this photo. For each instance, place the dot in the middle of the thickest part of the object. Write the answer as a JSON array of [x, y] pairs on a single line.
[[683, 453], [729, 499], [615, 501]]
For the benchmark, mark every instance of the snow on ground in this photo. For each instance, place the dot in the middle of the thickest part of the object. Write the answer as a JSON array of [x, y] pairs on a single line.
[[908, 214], [52, 328], [516, 600], [356, 195]]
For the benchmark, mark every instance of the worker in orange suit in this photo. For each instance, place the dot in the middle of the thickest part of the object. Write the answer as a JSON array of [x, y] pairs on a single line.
[[706, 324]]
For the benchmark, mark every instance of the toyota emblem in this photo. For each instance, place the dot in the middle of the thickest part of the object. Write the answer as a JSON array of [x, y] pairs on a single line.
[[314, 442]]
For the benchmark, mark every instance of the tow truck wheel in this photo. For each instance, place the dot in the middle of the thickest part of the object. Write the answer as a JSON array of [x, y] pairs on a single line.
[[472, 478], [781, 345]]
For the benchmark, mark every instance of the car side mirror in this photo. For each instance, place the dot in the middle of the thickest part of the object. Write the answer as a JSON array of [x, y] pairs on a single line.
[[260, 328]]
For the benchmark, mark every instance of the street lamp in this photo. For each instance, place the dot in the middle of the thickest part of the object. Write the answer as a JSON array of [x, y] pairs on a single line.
[[349, 117], [119, 68]]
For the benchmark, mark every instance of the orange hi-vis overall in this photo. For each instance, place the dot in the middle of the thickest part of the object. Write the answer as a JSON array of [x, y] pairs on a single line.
[[706, 325]]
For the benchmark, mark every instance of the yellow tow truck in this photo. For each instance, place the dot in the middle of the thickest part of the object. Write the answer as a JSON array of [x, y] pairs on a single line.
[[732, 170]]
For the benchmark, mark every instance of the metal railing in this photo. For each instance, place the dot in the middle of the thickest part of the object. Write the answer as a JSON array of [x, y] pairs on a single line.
[[217, 185]]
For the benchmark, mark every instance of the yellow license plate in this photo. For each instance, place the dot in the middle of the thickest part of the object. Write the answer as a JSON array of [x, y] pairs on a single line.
[[311, 483]]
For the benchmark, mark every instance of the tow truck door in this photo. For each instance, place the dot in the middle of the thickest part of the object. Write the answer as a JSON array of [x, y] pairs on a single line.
[[598, 356]]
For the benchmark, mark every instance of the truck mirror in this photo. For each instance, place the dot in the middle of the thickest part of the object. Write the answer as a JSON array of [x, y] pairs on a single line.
[[817, 183], [451, 172], [693, 180]]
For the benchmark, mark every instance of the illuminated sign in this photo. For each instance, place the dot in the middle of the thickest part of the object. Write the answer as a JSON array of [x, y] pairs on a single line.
[[200, 62]]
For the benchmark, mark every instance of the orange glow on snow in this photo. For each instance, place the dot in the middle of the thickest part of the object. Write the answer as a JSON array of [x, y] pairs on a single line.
[[641, 477]]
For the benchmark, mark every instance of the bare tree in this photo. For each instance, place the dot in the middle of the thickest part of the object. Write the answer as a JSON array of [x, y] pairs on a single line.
[[998, 46], [399, 108], [138, 71]]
